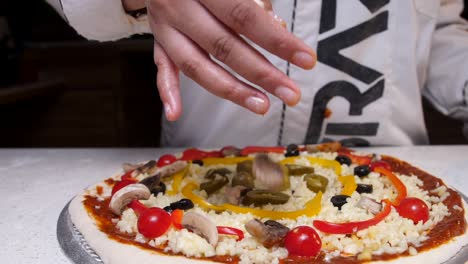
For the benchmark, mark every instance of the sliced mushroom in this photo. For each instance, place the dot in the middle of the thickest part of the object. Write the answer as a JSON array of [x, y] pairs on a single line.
[[151, 181], [127, 194], [370, 205], [234, 194], [154, 184], [201, 226], [130, 167], [231, 152], [268, 174], [173, 168], [149, 167], [270, 233]]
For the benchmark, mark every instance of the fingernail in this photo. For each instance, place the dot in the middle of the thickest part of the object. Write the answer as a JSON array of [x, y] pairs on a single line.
[[287, 95], [256, 104], [303, 59]]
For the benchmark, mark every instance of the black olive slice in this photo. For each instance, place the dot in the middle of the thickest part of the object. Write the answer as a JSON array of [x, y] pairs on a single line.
[[364, 188], [343, 159], [292, 150], [339, 200], [362, 170], [183, 204]]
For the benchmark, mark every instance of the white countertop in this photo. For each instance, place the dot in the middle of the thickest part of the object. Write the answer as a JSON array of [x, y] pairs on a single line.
[[36, 184]]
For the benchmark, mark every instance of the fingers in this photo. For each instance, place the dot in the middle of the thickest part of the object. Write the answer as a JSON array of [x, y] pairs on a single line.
[[247, 18], [168, 83], [229, 48], [196, 64]]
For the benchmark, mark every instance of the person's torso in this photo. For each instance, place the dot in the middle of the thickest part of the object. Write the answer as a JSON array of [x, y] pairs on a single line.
[[364, 90]]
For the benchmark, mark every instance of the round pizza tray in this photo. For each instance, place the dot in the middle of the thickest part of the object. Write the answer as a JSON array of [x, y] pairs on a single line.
[[72, 241], [76, 248]]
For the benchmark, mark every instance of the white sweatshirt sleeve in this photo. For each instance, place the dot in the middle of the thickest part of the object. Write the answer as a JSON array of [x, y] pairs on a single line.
[[102, 20], [447, 85]]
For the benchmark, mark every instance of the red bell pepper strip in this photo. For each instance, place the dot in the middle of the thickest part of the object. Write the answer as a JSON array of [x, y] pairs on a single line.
[[360, 160], [128, 176], [352, 227], [120, 184], [225, 230], [400, 187], [256, 149], [380, 163], [196, 154], [137, 206], [177, 215]]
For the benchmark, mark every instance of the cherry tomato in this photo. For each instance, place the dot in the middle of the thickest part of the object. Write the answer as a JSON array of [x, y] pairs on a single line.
[[120, 184], [414, 209], [166, 160], [153, 222], [303, 241], [380, 163]]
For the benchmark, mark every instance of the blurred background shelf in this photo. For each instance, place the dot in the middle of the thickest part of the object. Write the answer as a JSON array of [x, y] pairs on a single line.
[[107, 97]]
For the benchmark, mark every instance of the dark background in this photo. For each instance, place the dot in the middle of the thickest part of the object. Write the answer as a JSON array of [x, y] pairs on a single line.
[[59, 90]]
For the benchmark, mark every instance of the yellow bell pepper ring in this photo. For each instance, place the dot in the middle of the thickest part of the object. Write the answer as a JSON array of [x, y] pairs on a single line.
[[349, 184], [177, 181], [331, 164], [224, 161], [312, 207]]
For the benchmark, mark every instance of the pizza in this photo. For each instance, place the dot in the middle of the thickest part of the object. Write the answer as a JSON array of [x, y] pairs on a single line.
[[295, 204]]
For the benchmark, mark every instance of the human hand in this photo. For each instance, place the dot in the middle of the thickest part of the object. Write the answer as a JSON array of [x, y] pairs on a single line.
[[187, 32], [132, 5]]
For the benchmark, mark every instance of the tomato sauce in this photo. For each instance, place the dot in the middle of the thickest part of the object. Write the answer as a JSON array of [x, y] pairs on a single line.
[[103, 217], [99, 190], [451, 226]]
